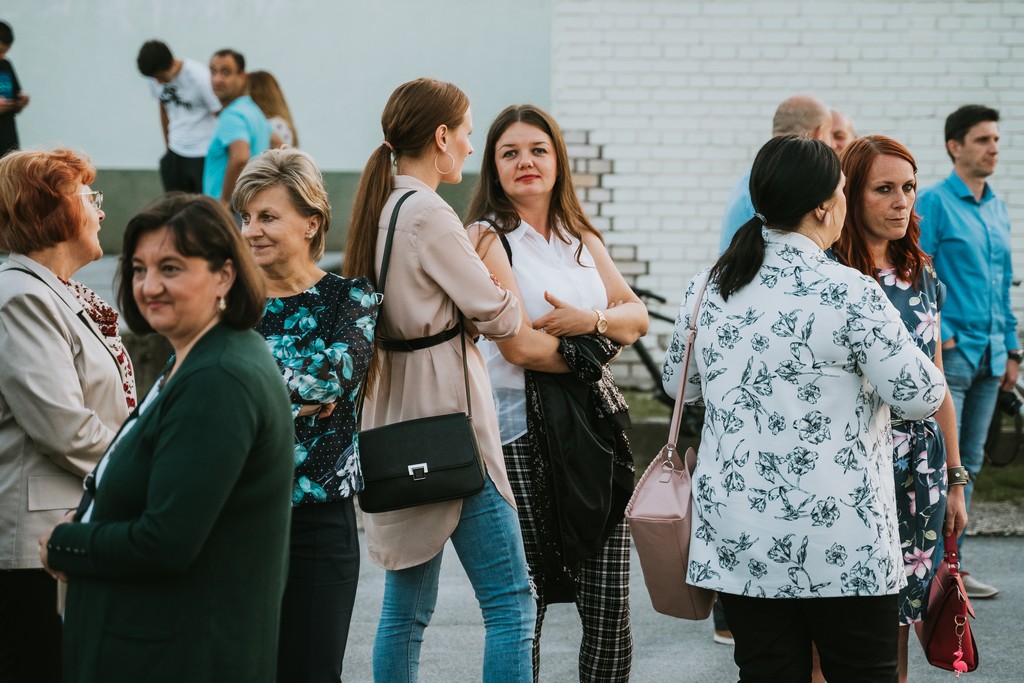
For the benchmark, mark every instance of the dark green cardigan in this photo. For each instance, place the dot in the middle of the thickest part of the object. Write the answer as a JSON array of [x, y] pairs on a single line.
[[179, 574]]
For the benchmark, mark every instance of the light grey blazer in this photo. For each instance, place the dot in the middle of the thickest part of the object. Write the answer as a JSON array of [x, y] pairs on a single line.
[[61, 402]]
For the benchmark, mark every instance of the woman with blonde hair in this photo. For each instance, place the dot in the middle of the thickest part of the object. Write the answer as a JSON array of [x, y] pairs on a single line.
[[266, 93], [319, 327]]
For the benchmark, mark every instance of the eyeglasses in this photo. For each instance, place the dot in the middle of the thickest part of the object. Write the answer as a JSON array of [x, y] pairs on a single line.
[[95, 198]]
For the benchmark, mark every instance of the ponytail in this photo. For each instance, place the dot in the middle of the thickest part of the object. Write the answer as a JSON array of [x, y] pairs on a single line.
[[361, 248], [375, 185], [739, 264]]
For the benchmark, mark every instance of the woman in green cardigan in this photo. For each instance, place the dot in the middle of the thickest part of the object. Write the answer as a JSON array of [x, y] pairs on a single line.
[[176, 557]]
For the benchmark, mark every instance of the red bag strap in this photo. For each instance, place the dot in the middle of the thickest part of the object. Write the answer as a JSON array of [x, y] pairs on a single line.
[[951, 555], [677, 409]]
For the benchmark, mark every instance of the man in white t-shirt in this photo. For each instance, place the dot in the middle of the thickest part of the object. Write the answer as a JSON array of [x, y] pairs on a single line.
[[188, 113]]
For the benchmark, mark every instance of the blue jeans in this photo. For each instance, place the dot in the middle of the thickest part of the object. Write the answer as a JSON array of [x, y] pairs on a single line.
[[974, 393], [490, 546]]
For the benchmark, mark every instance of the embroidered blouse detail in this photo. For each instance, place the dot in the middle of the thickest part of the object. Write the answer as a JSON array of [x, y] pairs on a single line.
[[322, 339], [105, 317]]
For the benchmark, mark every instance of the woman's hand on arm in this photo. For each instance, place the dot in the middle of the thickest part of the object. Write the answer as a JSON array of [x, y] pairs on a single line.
[[530, 348], [44, 553], [627, 319]]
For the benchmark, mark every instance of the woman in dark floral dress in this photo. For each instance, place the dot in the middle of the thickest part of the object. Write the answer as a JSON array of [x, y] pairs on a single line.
[[880, 238], [319, 327]]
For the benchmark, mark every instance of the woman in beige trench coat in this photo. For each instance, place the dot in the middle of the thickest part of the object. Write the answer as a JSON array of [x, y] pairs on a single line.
[[435, 279]]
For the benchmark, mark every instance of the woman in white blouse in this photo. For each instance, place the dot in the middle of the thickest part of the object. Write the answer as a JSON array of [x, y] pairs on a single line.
[[533, 236], [801, 363]]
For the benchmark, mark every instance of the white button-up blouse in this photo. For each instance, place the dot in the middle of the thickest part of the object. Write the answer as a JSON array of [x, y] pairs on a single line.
[[800, 370]]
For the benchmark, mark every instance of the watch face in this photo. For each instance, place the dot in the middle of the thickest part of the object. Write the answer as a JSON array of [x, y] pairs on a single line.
[[602, 326]]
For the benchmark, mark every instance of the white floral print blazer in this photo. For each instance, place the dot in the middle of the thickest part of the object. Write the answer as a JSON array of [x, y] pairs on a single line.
[[800, 371]]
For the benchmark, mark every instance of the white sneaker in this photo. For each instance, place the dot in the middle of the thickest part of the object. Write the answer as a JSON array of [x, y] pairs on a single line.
[[723, 638], [976, 590]]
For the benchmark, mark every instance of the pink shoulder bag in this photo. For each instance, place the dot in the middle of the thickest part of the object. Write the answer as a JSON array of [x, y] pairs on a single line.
[[659, 515]]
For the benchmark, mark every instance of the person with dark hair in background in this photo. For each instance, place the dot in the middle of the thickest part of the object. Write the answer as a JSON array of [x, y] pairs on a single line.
[[176, 557], [880, 239], [242, 130], [965, 228], [188, 113], [12, 99], [578, 313], [439, 294], [794, 509], [66, 385], [319, 327]]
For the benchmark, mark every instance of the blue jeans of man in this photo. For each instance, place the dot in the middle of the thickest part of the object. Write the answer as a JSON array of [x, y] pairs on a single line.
[[974, 392], [490, 547]]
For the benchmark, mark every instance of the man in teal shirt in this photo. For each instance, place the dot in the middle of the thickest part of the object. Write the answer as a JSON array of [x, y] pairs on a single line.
[[965, 228], [242, 130]]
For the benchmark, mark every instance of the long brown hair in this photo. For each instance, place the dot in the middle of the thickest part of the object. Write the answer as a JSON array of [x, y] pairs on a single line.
[[411, 117], [266, 93], [852, 249], [565, 214]]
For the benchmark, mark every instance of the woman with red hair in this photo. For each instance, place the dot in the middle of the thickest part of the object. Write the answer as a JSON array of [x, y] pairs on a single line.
[[66, 385], [880, 239]]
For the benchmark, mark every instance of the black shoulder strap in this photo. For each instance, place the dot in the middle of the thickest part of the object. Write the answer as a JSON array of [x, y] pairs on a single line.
[[502, 237], [387, 246]]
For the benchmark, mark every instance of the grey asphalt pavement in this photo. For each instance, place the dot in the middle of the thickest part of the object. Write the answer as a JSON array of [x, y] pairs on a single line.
[[668, 649]]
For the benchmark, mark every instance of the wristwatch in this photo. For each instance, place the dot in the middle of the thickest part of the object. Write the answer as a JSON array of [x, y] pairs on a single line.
[[602, 322], [1017, 355]]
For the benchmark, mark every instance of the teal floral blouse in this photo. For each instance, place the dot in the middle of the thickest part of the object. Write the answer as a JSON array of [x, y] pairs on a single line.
[[322, 339]]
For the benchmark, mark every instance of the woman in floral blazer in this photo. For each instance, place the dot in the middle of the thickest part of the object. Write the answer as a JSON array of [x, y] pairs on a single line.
[[880, 239], [801, 362]]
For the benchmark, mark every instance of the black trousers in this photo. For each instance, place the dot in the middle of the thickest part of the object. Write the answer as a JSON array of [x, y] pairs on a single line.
[[180, 173], [856, 638], [321, 589], [30, 627]]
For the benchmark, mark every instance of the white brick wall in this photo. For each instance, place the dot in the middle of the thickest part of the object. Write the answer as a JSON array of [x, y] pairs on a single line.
[[680, 95]]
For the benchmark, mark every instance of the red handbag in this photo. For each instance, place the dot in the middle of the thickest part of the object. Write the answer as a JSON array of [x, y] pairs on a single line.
[[945, 633]]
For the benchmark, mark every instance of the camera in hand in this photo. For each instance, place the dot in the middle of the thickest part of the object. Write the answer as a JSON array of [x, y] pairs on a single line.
[[1010, 403]]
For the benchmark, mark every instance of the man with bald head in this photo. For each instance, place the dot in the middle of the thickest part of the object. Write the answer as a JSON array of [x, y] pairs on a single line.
[[842, 131], [797, 115]]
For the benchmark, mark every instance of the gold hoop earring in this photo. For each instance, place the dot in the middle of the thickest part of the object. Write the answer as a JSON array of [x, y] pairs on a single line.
[[222, 304], [450, 169]]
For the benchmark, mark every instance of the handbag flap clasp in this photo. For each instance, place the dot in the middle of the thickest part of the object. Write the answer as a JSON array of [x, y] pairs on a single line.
[[418, 472]]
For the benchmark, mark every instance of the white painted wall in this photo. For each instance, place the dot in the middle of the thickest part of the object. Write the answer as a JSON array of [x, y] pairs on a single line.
[[681, 94], [337, 62]]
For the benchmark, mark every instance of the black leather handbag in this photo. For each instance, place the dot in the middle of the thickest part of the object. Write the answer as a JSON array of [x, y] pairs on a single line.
[[426, 460]]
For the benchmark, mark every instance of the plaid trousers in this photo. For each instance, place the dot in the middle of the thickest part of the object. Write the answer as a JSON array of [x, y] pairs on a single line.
[[602, 592]]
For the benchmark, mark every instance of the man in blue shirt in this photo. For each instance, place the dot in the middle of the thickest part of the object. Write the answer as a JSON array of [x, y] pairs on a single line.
[[800, 115], [242, 130], [965, 228]]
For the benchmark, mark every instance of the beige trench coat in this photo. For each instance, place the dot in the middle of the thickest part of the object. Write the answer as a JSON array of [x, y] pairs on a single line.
[[61, 402], [434, 275]]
